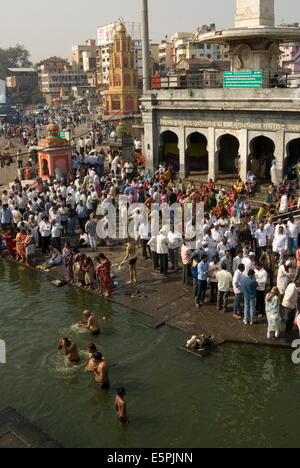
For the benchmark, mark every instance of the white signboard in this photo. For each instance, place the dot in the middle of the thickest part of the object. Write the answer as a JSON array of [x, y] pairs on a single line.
[[2, 92], [106, 34]]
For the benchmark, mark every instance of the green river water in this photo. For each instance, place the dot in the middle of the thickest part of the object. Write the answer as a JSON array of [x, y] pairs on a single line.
[[243, 396]]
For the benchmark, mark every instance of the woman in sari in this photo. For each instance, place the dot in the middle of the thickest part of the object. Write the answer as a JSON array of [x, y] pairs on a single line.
[[273, 313], [89, 273], [68, 258], [97, 273], [239, 186], [105, 275], [29, 247], [9, 238]]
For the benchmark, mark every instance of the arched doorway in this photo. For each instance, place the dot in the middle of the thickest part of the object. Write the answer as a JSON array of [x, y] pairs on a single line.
[[229, 147], [196, 153], [262, 151], [292, 159], [169, 151]]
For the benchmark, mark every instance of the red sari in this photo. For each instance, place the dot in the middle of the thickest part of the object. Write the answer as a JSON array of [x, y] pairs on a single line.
[[10, 242], [105, 276]]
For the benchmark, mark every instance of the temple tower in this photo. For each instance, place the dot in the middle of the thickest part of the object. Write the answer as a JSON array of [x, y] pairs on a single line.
[[122, 95]]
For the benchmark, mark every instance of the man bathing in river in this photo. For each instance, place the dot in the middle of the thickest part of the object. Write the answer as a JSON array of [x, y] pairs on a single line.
[[91, 365], [100, 371], [70, 350], [121, 406], [91, 323]]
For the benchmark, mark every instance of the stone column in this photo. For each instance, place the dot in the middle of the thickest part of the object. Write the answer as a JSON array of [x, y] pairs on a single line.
[[151, 142], [280, 153], [244, 151], [182, 148], [213, 162]]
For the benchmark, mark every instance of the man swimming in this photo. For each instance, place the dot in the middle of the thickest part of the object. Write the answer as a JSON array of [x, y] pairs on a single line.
[[100, 372], [91, 365], [90, 324], [70, 350], [121, 406]]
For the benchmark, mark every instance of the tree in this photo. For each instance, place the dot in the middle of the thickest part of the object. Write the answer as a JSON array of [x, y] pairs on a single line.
[[13, 57]]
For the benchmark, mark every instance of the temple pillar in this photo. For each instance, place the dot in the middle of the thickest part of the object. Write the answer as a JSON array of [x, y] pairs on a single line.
[[244, 151], [280, 153], [213, 162], [182, 149]]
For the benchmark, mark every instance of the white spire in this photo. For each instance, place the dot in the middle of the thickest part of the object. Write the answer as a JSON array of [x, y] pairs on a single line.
[[254, 13]]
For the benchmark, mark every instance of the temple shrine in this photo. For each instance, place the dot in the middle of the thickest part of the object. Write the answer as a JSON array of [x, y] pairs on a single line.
[[122, 97], [55, 154]]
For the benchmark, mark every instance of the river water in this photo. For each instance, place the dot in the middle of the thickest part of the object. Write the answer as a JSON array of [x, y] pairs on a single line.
[[243, 396]]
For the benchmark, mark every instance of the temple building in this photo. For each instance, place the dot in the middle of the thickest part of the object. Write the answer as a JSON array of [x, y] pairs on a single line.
[[55, 154], [224, 131], [122, 95]]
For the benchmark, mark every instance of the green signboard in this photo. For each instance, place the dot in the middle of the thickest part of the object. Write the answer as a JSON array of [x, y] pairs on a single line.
[[244, 79], [62, 134]]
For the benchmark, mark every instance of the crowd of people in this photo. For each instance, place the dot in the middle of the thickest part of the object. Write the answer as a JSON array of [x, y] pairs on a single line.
[[56, 222]]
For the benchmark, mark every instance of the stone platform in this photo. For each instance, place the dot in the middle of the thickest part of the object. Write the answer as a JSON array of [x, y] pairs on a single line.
[[169, 302], [17, 432]]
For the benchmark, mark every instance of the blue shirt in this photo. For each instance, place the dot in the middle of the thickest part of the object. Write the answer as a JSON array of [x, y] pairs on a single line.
[[249, 288], [202, 271], [5, 216], [81, 211]]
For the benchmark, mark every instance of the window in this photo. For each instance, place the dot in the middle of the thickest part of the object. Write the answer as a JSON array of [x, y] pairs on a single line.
[[116, 105]]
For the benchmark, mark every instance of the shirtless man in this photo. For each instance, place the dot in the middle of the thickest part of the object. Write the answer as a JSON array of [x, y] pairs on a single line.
[[100, 372], [131, 256], [121, 406], [70, 350], [90, 324], [91, 365]]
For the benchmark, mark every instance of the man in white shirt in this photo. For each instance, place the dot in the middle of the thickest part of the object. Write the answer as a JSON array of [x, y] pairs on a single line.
[[216, 234], [237, 261], [270, 230], [283, 277], [249, 263], [284, 204], [153, 247], [45, 231], [290, 304], [56, 235], [261, 277], [280, 224], [238, 278], [175, 242], [280, 244], [224, 279], [222, 247], [261, 240], [162, 250], [211, 243], [293, 233], [144, 234]]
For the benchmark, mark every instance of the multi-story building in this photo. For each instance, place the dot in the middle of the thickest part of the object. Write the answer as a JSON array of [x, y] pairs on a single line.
[[165, 56], [55, 74], [290, 58], [187, 46], [77, 54], [23, 79]]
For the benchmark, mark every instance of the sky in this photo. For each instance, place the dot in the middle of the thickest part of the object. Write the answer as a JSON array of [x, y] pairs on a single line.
[[52, 28]]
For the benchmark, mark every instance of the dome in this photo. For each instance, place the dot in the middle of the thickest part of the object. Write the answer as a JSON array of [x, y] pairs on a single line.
[[121, 128], [121, 28], [53, 130]]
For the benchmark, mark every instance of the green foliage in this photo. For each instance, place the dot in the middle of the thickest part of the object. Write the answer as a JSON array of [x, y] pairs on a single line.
[[13, 57]]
